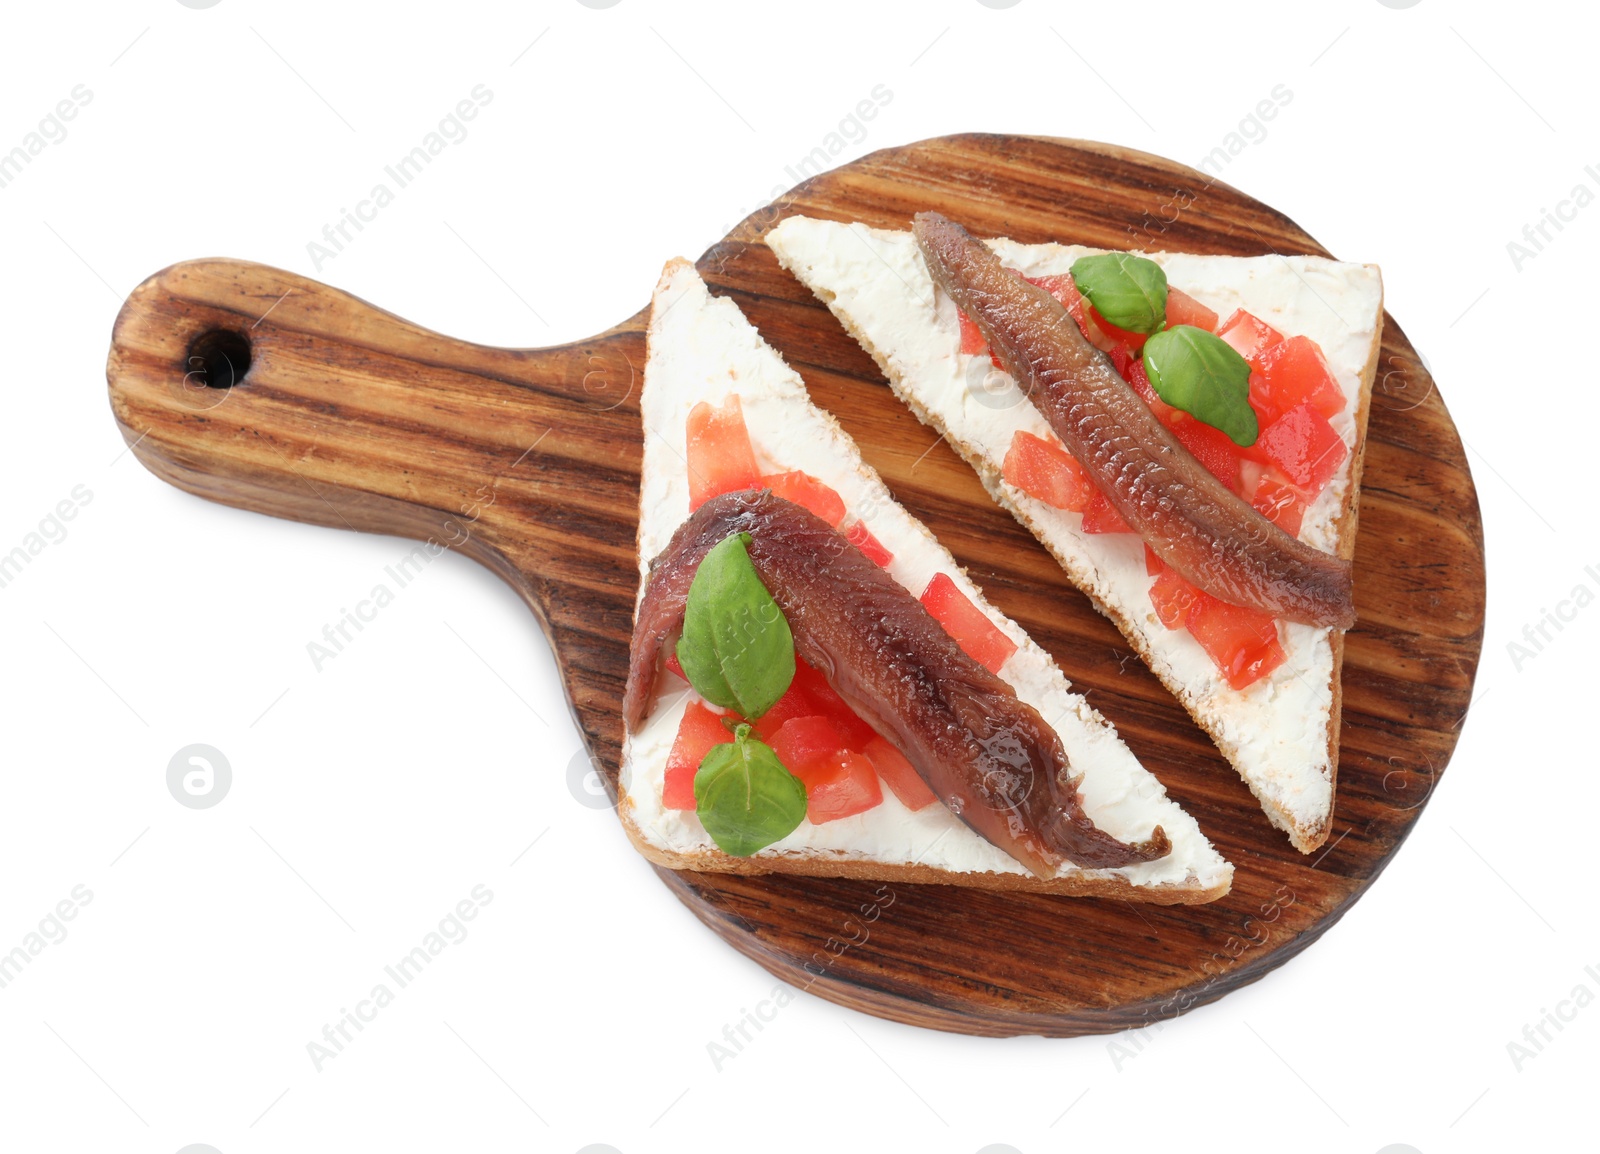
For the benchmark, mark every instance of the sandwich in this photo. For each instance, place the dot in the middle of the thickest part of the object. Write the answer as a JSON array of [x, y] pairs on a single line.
[[1183, 433], [816, 687]]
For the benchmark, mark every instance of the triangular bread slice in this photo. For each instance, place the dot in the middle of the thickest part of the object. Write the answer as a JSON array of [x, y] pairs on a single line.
[[701, 348], [1282, 733]]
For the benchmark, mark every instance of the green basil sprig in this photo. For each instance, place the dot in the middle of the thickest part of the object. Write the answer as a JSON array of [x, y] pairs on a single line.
[[1203, 375], [736, 649], [1128, 291], [746, 799]]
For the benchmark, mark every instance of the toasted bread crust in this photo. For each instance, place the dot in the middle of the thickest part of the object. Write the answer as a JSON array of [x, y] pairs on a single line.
[[833, 865], [1304, 836]]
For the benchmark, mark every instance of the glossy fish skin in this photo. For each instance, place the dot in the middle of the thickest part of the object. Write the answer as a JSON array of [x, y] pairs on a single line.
[[1192, 521], [988, 756]]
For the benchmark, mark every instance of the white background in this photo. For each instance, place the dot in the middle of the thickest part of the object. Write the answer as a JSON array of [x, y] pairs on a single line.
[[372, 796]]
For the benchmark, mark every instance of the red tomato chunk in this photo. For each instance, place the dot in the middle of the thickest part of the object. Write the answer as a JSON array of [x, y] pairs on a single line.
[[809, 493], [861, 537], [1291, 374], [1122, 359], [978, 637], [1280, 503], [804, 743], [719, 453], [699, 730], [972, 340], [795, 702], [839, 781], [1172, 596], [1044, 470], [1183, 309], [1304, 446], [1243, 643], [843, 785], [1249, 335], [1211, 447], [854, 732], [903, 781], [1102, 517], [1140, 380]]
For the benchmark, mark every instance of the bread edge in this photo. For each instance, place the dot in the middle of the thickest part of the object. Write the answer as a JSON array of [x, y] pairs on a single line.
[[833, 865]]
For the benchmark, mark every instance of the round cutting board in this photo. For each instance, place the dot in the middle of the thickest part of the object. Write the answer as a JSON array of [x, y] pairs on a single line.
[[266, 390]]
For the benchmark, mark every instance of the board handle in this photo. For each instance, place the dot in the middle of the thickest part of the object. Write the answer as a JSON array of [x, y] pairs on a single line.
[[263, 389]]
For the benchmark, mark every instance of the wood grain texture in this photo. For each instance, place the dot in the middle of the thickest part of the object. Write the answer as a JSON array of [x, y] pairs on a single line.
[[528, 460]]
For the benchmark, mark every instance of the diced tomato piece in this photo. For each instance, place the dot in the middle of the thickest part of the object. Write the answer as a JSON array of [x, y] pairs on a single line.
[[720, 457], [1133, 340], [1152, 563], [814, 685], [1249, 335], [699, 730], [1140, 380], [1304, 446], [1173, 597], [1295, 373], [972, 342], [1243, 642], [1183, 309], [1045, 470], [1212, 448], [843, 785], [978, 637], [972, 339], [795, 702], [1141, 383], [1261, 400], [1122, 359], [804, 744], [858, 535], [1280, 503], [903, 781], [809, 493], [1102, 517], [674, 665]]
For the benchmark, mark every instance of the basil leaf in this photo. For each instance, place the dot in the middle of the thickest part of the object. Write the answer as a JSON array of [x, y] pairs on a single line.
[[736, 648], [746, 799], [1128, 291], [1201, 374]]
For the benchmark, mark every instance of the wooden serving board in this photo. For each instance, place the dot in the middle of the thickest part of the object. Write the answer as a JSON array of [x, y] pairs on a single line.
[[528, 461]]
